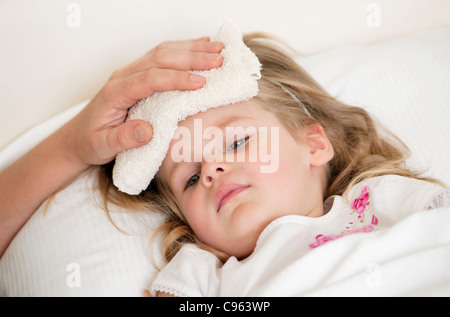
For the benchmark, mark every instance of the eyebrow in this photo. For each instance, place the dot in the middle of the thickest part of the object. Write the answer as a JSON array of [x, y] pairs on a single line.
[[231, 120]]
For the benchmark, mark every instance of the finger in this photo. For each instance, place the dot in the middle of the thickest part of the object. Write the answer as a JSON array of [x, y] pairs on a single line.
[[199, 45], [175, 59], [128, 135], [187, 55], [181, 60], [126, 91]]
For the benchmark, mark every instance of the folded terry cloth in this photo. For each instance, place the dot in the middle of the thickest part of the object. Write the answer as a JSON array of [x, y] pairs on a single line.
[[234, 81]]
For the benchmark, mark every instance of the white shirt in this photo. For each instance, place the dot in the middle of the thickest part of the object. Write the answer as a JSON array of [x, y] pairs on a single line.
[[380, 248]]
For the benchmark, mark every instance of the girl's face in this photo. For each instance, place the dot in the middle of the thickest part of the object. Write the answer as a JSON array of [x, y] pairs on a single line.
[[234, 169]]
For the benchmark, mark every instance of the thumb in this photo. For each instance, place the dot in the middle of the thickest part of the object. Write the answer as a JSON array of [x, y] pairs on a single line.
[[128, 135]]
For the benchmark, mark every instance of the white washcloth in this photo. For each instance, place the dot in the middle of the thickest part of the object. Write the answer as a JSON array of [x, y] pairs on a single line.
[[234, 81]]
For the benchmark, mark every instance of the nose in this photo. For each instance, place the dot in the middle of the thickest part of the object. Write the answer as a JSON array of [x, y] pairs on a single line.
[[212, 171]]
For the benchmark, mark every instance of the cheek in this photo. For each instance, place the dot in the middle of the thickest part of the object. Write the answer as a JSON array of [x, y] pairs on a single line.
[[283, 186], [194, 210], [191, 209], [275, 166]]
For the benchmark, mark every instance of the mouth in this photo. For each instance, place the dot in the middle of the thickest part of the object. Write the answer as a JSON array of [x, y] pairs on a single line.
[[227, 192]]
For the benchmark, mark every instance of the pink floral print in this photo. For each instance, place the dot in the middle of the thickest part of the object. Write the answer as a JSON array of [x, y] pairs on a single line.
[[359, 205], [321, 239], [374, 220]]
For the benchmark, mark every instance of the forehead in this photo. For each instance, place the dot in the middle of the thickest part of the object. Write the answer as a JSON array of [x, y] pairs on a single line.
[[218, 117]]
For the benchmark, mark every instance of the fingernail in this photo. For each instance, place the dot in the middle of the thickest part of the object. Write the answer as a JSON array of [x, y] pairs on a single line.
[[212, 57], [196, 78], [140, 133]]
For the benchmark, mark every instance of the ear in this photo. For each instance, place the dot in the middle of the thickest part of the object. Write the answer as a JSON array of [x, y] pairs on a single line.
[[320, 148]]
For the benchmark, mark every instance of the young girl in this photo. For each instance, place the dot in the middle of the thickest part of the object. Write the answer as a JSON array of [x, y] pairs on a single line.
[[338, 174]]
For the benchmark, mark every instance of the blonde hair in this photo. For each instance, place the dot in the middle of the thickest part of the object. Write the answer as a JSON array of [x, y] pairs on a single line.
[[362, 148]]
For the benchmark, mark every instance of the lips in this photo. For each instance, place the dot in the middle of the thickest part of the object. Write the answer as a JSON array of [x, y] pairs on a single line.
[[226, 192]]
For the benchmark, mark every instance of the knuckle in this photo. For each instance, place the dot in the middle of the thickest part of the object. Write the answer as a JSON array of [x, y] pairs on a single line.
[[193, 59], [200, 47], [121, 139], [158, 57], [148, 75], [109, 89], [181, 77], [157, 48], [162, 45], [115, 74], [117, 142], [114, 145]]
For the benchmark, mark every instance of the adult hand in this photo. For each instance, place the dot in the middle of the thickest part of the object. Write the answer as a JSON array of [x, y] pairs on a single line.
[[99, 131]]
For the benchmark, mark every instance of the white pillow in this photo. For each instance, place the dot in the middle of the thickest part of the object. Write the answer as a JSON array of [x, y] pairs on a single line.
[[73, 249]]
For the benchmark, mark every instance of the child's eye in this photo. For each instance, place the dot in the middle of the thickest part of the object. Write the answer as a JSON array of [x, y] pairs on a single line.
[[237, 144], [192, 180]]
